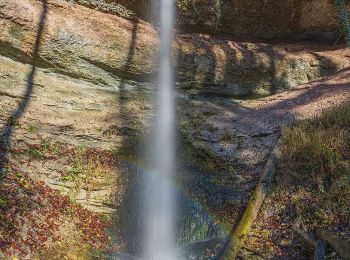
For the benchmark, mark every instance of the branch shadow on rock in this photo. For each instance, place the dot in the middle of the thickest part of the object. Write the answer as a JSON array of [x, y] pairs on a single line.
[[9, 126]]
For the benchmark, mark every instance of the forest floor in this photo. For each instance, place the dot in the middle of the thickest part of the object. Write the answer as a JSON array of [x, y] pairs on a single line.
[[311, 188], [311, 184], [39, 222]]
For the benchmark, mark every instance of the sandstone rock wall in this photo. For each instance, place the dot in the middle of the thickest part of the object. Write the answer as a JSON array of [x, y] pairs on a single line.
[[228, 68], [270, 19], [106, 50], [88, 76]]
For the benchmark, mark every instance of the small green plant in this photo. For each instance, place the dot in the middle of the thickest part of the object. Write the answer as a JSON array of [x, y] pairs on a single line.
[[20, 176], [87, 171], [14, 122], [3, 203], [34, 153], [32, 129], [189, 124], [38, 151], [73, 172]]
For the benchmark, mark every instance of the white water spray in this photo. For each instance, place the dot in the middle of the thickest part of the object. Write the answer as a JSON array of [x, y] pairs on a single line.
[[160, 198]]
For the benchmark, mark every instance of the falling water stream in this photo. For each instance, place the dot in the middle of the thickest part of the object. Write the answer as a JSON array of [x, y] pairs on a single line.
[[159, 236], [162, 215]]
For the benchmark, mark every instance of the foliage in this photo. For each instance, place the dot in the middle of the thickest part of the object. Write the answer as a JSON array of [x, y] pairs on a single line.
[[312, 187], [316, 161], [39, 151], [89, 169], [34, 203], [316, 149], [218, 12], [32, 216], [341, 6]]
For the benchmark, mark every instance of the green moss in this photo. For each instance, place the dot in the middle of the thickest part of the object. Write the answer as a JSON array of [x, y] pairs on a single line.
[[38, 151], [32, 129], [200, 153], [16, 31]]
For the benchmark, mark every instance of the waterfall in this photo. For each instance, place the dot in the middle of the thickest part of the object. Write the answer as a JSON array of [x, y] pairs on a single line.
[[160, 198]]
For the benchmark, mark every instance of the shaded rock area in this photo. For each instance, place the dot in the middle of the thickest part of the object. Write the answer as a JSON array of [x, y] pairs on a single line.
[[278, 19], [292, 20], [226, 68]]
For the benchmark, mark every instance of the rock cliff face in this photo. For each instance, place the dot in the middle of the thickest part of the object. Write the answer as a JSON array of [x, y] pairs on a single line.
[[294, 20], [272, 19], [224, 67], [48, 66], [118, 49], [88, 74], [94, 71]]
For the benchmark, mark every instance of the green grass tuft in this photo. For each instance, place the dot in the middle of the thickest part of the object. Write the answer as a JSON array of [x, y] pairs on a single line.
[[316, 155]]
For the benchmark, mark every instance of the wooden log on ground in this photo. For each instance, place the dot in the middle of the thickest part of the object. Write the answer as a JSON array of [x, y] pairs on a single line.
[[319, 245], [238, 236], [303, 234], [341, 247]]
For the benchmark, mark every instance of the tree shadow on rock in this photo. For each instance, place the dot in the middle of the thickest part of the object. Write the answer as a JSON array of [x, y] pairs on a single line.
[[9, 126], [129, 216]]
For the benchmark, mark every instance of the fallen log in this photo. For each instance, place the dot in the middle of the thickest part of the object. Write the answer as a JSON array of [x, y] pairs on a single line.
[[341, 247], [319, 245], [296, 226], [239, 234], [305, 236]]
